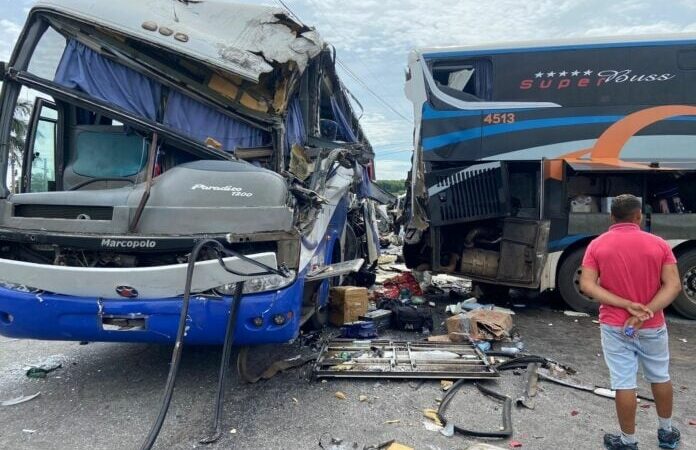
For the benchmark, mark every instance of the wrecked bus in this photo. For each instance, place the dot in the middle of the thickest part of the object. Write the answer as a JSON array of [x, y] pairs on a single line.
[[520, 148], [151, 126]]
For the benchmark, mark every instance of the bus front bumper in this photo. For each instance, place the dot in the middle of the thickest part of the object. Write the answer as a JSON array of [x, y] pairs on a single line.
[[64, 317]]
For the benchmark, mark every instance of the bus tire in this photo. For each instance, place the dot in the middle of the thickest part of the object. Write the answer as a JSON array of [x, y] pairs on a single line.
[[569, 284], [685, 303]]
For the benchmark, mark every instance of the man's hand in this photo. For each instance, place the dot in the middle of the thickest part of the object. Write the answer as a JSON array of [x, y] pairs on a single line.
[[639, 311], [634, 322]]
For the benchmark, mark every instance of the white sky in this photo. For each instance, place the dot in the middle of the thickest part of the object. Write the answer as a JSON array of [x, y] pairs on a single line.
[[373, 37]]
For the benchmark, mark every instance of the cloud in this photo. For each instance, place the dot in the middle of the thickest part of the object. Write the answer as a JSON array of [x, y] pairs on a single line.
[[373, 38], [392, 169], [9, 32]]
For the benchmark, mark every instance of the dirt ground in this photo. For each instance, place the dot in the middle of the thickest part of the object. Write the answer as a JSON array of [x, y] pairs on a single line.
[[107, 395]]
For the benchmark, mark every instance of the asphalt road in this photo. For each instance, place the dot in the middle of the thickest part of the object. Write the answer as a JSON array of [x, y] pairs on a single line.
[[106, 396]]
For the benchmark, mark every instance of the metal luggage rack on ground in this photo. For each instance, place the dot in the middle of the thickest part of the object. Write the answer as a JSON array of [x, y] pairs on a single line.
[[382, 358]]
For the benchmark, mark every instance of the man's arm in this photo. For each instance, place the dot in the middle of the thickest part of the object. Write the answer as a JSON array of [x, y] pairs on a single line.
[[590, 287], [671, 286]]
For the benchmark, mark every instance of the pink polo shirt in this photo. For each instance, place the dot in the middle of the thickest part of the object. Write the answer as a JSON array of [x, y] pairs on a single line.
[[629, 262]]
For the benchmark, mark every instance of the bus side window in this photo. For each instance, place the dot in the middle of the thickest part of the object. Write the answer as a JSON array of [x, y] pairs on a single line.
[[469, 80]]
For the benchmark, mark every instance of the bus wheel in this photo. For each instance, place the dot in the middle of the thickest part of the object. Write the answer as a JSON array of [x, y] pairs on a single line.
[[569, 284], [685, 303]]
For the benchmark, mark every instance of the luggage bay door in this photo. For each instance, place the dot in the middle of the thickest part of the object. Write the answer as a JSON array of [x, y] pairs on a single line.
[[523, 251]]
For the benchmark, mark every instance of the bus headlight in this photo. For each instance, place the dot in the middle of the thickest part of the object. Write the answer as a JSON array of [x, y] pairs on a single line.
[[259, 284]]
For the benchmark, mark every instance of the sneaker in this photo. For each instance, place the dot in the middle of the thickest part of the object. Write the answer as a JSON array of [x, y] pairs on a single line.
[[613, 442], [668, 439]]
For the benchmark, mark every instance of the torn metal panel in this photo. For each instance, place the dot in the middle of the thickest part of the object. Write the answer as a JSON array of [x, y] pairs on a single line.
[[346, 358], [242, 39]]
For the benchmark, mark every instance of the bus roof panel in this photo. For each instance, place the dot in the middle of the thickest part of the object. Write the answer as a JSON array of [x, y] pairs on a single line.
[[240, 38], [558, 44]]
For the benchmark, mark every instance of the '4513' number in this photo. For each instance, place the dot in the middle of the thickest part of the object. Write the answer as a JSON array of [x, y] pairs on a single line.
[[496, 118]]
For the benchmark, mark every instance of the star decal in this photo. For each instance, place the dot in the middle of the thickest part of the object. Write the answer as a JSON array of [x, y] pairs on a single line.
[[575, 73], [551, 74], [562, 74], [538, 75], [587, 72]]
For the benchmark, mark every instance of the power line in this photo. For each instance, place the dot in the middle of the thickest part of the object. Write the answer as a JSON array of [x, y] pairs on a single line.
[[373, 93], [353, 75]]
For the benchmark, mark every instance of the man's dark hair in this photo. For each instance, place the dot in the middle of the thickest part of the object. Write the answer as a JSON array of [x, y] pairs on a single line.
[[624, 207]]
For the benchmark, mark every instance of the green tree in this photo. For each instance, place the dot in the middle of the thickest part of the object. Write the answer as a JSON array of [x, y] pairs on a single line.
[[18, 134], [394, 187]]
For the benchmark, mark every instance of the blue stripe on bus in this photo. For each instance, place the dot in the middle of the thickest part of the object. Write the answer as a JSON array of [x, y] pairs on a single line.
[[491, 130], [430, 113], [461, 53], [431, 143]]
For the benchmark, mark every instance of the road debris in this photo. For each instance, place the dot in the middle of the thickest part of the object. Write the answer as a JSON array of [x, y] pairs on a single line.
[[362, 398], [347, 304], [546, 375], [360, 329], [392, 422], [446, 384], [19, 400], [489, 325], [383, 358], [433, 416], [340, 395], [432, 426], [526, 399], [515, 444], [43, 368], [505, 430], [575, 314], [397, 446], [481, 446], [272, 370]]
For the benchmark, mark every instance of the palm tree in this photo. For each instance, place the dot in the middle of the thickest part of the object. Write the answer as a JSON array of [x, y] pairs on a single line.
[[18, 133]]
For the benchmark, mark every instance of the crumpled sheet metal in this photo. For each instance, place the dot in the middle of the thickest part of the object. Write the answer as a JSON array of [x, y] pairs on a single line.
[[243, 39]]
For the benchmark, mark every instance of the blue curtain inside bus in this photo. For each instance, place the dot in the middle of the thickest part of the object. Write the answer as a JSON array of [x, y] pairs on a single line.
[[295, 132], [85, 70], [200, 122], [345, 128]]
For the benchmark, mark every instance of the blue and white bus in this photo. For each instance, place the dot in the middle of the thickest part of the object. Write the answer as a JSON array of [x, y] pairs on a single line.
[[519, 149], [132, 132]]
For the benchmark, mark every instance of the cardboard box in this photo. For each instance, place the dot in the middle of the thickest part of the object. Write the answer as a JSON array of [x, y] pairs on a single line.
[[489, 325], [457, 324], [347, 304]]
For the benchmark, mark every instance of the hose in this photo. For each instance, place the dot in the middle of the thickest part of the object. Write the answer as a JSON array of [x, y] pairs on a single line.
[[215, 431], [181, 330], [506, 429]]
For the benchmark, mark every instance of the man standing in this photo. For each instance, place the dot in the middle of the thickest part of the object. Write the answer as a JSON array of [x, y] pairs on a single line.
[[633, 274]]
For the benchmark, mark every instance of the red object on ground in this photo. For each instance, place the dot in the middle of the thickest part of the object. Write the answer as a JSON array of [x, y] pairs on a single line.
[[574, 413], [391, 293], [404, 280], [515, 444], [692, 422]]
